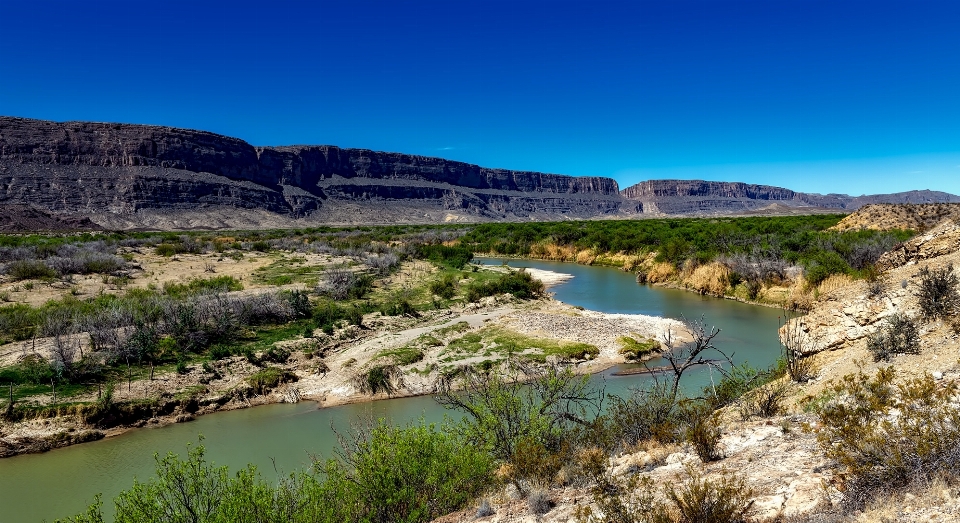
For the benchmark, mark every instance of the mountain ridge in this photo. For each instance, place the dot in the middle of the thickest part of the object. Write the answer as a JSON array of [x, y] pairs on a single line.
[[143, 176]]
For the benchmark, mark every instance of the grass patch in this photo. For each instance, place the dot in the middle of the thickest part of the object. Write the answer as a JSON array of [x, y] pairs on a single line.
[[456, 328], [287, 270], [265, 380], [403, 356], [634, 349], [493, 340]]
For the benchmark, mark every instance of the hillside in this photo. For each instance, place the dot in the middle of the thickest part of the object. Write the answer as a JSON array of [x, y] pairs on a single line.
[[916, 217]]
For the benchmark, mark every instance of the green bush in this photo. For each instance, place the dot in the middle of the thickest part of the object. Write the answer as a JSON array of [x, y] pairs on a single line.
[[166, 249], [200, 285], [445, 287], [269, 378], [891, 436], [443, 255], [519, 283], [412, 474], [29, 270]]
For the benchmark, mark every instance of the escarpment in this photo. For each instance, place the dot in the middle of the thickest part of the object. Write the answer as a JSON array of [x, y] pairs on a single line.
[[88, 175], [124, 175]]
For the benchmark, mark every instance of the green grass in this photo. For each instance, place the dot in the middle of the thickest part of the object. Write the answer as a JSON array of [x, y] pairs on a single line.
[[403, 355], [635, 349], [456, 328], [286, 270], [493, 340]]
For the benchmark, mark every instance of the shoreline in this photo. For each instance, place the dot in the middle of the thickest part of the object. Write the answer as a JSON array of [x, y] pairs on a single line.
[[539, 319]]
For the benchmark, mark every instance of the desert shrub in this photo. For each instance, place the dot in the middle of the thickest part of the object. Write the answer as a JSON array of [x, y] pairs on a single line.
[[299, 303], [166, 249], [538, 502], [411, 474], [702, 431], [18, 321], [519, 283], [764, 401], [379, 378], [451, 257], [384, 263], [534, 465], [646, 413], [29, 270], [900, 335], [693, 499], [275, 355], [824, 264], [891, 436], [938, 295], [398, 307], [521, 403], [700, 500], [735, 383], [445, 287]]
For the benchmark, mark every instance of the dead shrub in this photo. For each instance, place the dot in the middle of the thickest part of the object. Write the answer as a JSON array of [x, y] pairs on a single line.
[[938, 295], [661, 272], [899, 336], [711, 279]]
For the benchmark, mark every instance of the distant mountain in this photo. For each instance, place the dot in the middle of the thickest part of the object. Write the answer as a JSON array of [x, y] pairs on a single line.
[[699, 197], [87, 175]]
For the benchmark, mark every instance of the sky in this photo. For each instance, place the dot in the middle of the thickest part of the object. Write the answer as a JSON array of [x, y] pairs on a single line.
[[856, 97]]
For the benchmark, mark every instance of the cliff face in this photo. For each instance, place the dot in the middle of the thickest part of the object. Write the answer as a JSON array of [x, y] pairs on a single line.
[[132, 171], [708, 197], [122, 175]]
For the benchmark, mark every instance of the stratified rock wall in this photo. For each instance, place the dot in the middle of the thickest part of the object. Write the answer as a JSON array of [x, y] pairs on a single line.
[[95, 168]]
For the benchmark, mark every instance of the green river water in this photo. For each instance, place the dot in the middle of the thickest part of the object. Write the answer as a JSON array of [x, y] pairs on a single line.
[[282, 438]]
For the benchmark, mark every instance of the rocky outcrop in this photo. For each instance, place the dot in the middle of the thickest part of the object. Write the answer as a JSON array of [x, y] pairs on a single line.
[[941, 240]]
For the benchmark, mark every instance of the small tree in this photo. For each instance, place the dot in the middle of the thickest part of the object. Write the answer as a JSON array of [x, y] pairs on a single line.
[[525, 402]]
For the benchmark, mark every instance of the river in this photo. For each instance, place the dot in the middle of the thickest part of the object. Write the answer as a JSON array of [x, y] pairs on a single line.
[[282, 438]]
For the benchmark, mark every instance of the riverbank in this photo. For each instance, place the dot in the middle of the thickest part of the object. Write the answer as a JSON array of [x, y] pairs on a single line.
[[335, 368]]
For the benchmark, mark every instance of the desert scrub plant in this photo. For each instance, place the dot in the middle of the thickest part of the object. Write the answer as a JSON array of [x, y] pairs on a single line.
[[890, 436], [29, 270], [379, 378], [900, 335], [522, 402], [692, 499], [702, 431], [938, 295], [445, 287]]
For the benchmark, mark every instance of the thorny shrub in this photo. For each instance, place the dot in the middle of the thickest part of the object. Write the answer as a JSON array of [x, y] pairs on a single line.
[[693, 499], [899, 336], [938, 295], [890, 436]]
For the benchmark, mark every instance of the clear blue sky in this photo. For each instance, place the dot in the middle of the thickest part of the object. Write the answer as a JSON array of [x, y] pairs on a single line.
[[839, 96]]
